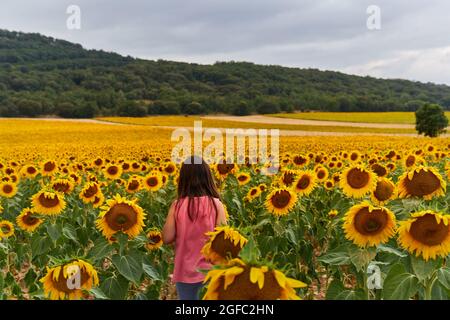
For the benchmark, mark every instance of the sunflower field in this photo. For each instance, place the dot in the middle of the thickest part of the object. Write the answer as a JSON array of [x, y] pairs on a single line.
[[342, 218]]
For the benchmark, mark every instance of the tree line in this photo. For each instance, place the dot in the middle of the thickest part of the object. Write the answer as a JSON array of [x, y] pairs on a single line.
[[41, 75]]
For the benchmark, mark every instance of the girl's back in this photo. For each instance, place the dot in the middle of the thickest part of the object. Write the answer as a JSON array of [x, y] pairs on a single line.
[[191, 237]]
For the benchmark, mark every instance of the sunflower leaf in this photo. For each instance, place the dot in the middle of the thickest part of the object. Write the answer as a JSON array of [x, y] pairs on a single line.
[[115, 287], [130, 266], [384, 248], [399, 284], [422, 269], [443, 276]]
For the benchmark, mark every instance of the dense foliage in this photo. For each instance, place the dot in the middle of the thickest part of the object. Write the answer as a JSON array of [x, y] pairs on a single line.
[[40, 76], [431, 120]]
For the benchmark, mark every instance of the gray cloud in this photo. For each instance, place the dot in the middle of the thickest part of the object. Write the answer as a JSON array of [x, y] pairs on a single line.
[[413, 42]]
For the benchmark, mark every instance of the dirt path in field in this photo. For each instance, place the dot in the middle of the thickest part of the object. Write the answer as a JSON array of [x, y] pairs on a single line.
[[275, 120], [68, 120]]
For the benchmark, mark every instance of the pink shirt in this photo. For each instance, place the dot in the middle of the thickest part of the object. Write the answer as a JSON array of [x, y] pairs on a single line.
[[190, 239]]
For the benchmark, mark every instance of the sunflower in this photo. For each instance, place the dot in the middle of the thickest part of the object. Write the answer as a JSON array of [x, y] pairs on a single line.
[[243, 178], [89, 192], [48, 168], [379, 170], [321, 173], [27, 220], [48, 202], [6, 229], [239, 281], [305, 183], [262, 187], [133, 184], [1, 208], [424, 182], [288, 177], [63, 185], [300, 160], [253, 193], [99, 199], [8, 189], [329, 184], [426, 233], [333, 213], [170, 169], [113, 172], [154, 240], [384, 192], [354, 156], [224, 243], [120, 214], [357, 181], [60, 281], [224, 169], [153, 181], [367, 225], [29, 171], [280, 201]]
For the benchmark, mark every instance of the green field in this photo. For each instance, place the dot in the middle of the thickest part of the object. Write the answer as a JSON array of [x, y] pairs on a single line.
[[368, 117], [188, 121]]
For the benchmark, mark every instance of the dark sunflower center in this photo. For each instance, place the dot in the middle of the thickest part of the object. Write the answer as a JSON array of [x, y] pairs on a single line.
[[133, 185], [383, 191], [353, 156], [427, 231], [299, 160], [225, 247], [303, 183], [243, 289], [135, 165], [7, 188], [357, 179], [253, 192], [61, 283], [379, 170], [422, 183], [98, 162], [154, 239], [61, 187], [170, 169], [125, 166], [242, 178], [321, 174], [370, 223], [30, 220], [152, 181], [5, 228], [49, 166], [31, 170], [224, 168], [113, 170], [47, 202], [121, 217], [91, 191], [288, 178], [281, 199], [410, 161]]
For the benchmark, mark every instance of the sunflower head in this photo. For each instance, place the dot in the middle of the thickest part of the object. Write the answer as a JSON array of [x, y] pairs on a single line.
[[153, 181], [63, 185], [253, 193], [28, 221], [280, 201], [426, 233], [243, 178], [367, 225], [224, 243], [67, 281], [305, 183], [239, 281], [48, 202], [89, 192], [423, 182], [113, 171], [154, 240], [6, 229], [384, 192], [288, 177], [357, 181], [121, 215], [8, 189]]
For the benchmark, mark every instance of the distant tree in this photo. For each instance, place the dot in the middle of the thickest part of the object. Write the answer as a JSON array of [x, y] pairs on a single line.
[[242, 109], [194, 108], [87, 111], [164, 107], [267, 107], [28, 108], [431, 120], [65, 109], [132, 109]]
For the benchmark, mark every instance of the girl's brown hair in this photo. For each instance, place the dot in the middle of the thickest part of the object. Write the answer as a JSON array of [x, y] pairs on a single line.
[[196, 180]]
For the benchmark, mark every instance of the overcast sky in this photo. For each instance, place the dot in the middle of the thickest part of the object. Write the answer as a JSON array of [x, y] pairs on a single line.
[[413, 42]]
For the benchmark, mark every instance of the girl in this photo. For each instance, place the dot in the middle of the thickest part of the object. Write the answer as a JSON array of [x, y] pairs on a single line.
[[196, 211]]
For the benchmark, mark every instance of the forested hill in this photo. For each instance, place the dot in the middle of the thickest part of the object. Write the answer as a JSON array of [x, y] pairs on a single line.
[[42, 76]]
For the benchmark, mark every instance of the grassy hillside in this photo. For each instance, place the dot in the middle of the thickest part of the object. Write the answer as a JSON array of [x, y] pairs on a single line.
[[40, 75]]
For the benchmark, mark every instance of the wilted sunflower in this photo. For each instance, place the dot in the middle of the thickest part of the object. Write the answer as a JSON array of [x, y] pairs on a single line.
[[63, 185], [8, 189], [153, 181], [60, 281], [28, 221], [6, 229], [426, 233], [154, 240], [113, 172], [48, 168], [280, 201], [243, 178], [384, 192], [48, 202], [253, 193], [89, 192], [305, 183], [224, 244], [288, 177], [424, 182], [120, 214], [357, 181], [367, 225], [238, 281]]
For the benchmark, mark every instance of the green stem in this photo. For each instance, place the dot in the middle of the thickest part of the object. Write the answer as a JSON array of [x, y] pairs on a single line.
[[429, 283]]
